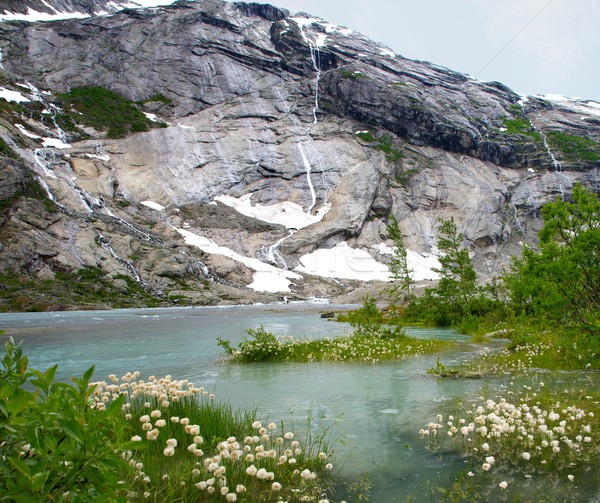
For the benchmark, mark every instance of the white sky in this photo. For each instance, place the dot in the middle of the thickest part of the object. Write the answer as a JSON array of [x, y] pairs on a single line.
[[557, 51]]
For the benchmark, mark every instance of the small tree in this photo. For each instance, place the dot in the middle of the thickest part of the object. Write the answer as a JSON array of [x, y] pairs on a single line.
[[457, 276], [453, 298], [561, 280], [399, 269]]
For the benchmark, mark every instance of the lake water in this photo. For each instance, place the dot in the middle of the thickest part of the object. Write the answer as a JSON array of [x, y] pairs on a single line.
[[376, 409]]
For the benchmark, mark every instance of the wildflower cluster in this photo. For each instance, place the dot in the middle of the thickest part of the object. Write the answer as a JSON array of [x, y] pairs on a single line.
[[534, 355], [194, 449], [383, 345], [534, 435], [163, 391]]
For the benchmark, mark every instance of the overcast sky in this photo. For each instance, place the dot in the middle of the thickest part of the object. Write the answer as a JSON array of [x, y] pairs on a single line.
[[556, 49]]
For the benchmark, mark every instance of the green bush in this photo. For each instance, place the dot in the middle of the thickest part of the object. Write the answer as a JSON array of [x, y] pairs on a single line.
[[575, 148], [53, 445], [261, 346], [104, 110]]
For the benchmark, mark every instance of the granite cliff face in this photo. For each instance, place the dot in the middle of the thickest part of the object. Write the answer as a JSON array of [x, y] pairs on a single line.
[[280, 136]]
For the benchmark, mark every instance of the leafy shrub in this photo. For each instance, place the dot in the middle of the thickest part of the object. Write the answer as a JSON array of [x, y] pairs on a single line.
[[104, 110], [6, 151], [370, 344], [261, 346], [53, 445]]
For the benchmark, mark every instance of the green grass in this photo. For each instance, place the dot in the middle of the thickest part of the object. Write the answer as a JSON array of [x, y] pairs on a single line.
[[522, 127], [104, 110], [574, 148], [531, 430], [30, 189], [157, 97], [378, 345], [383, 143], [347, 74], [89, 287], [6, 151], [213, 445]]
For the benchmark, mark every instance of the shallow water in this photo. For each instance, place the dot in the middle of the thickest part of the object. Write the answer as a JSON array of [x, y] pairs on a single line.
[[377, 410]]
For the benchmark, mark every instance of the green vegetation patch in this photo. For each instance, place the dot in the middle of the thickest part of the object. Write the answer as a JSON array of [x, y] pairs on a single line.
[[383, 143], [6, 151], [574, 148], [87, 287], [513, 435], [31, 189], [381, 344], [130, 439], [158, 97], [347, 74], [523, 127], [104, 110]]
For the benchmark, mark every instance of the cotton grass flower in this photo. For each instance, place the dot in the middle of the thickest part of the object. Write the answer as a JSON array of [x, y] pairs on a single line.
[[503, 484]]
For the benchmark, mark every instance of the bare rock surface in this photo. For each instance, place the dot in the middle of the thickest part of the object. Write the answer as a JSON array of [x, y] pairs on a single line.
[[267, 107]]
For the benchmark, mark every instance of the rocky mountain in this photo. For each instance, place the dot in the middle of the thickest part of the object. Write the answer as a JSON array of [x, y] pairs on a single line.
[[209, 151]]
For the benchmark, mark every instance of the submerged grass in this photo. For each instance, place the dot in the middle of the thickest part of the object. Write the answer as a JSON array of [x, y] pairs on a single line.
[[521, 443], [193, 448], [372, 346]]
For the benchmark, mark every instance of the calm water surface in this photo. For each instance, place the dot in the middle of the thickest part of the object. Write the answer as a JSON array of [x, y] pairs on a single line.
[[376, 409]]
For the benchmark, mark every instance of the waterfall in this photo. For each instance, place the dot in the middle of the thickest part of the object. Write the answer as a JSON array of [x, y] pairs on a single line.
[[141, 234], [315, 56], [105, 243], [313, 195], [272, 254], [557, 166], [516, 216], [40, 155]]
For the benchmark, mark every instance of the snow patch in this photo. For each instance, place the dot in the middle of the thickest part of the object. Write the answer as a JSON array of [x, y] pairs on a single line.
[[342, 30], [305, 21], [151, 117], [105, 158], [578, 105], [302, 22], [422, 265], [343, 262], [21, 128], [34, 16], [267, 278], [321, 40], [286, 213], [387, 52], [153, 205], [54, 143], [15, 96]]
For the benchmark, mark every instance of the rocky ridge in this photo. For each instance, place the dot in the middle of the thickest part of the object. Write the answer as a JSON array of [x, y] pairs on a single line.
[[271, 136]]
